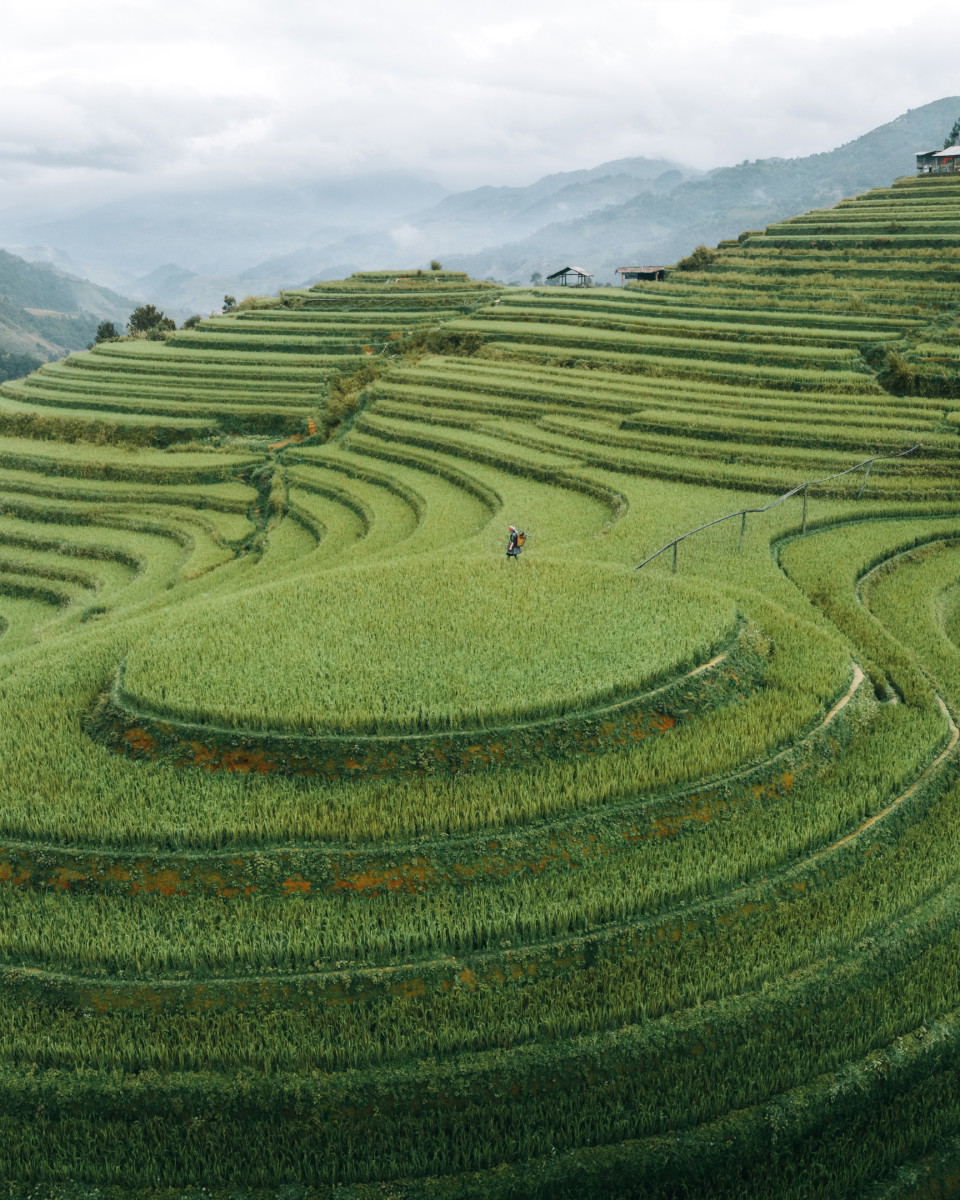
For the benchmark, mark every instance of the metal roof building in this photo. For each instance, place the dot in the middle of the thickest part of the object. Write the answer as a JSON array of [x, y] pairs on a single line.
[[570, 277], [939, 162], [632, 274]]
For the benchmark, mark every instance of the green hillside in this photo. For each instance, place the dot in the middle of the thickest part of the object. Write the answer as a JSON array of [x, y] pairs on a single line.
[[345, 858], [45, 313]]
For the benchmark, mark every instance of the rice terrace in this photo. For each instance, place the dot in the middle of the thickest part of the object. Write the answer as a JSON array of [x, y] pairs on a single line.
[[344, 858]]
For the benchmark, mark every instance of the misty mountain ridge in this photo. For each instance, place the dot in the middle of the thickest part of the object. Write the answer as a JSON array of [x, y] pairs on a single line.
[[660, 228], [671, 208], [184, 252], [224, 231]]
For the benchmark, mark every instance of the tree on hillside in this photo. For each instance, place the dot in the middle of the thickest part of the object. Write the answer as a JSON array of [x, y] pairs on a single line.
[[229, 303], [106, 332], [954, 137], [536, 277], [435, 264], [148, 317], [13, 366], [698, 258]]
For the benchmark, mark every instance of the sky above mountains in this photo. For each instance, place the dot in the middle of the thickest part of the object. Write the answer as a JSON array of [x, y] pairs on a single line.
[[108, 100]]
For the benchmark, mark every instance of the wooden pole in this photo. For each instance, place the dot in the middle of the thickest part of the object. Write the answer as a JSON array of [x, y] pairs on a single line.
[[803, 527], [866, 476], [743, 530], [674, 558]]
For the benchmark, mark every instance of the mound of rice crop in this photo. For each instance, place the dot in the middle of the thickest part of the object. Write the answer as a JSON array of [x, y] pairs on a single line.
[[424, 645]]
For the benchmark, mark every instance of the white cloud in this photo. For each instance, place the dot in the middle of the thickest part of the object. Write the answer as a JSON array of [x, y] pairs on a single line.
[[499, 94]]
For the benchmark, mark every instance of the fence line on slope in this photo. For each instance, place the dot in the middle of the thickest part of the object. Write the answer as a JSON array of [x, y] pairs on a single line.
[[743, 513]]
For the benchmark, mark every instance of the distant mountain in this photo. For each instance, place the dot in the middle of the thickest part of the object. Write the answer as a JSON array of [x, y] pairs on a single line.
[[470, 220], [45, 313], [629, 212], [184, 252], [223, 232], [660, 227], [464, 221]]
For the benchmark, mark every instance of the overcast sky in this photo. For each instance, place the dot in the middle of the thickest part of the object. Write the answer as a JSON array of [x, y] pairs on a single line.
[[120, 96]]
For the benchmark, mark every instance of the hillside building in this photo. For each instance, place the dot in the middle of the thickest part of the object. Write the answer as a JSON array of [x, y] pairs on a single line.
[[633, 274], [570, 277], [939, 162]]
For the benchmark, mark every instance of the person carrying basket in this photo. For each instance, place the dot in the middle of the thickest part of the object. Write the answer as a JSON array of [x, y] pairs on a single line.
[[515, 542]]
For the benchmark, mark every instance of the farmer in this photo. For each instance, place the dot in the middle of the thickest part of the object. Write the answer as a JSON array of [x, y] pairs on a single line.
[[515, 542]]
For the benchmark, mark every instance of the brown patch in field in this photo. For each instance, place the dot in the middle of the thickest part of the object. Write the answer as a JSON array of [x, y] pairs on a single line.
[[293, 886], [248, 762], [203, 756], [64, 876], [407, 877], [18, 875], [140, 741], [697, 809], [167, 883], [706, 806]]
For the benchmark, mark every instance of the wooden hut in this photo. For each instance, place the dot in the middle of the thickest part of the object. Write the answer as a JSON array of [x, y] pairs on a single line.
[[939, 162], [570, 277], [633, 274]]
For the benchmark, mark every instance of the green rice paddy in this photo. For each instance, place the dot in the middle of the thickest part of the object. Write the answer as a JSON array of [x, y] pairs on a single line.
[[342, 858]]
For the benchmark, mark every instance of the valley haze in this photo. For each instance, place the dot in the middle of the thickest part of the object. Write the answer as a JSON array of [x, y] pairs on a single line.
[[184, 250]]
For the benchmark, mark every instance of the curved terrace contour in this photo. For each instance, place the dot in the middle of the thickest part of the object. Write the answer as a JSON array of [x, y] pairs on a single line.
[[341, 857]]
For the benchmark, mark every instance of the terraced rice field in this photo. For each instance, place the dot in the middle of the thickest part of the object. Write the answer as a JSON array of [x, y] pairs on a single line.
[[343, 858]]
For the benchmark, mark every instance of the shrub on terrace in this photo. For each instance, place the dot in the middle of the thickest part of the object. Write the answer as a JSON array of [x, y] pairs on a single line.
[[345, 394], [899, 375], [249, 302], [702, 256], [459, 342]]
